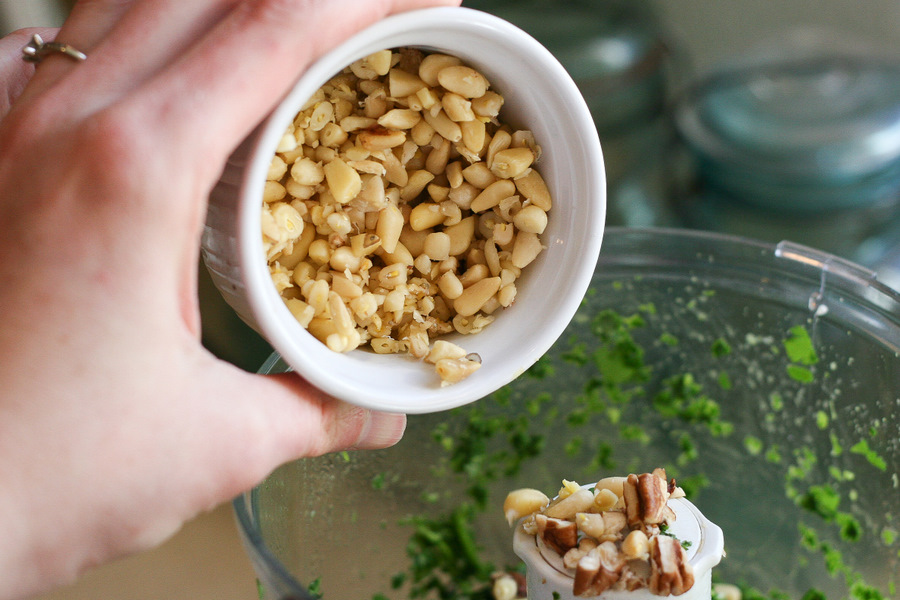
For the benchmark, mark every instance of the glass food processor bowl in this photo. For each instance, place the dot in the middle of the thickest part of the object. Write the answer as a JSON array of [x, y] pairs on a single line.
[[764, 378]]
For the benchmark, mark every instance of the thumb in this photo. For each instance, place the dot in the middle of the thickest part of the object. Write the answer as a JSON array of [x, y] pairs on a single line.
[[328, 425], [274, 419]]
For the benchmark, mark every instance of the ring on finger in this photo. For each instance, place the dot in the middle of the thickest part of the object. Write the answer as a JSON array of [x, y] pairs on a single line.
[[37, 49]]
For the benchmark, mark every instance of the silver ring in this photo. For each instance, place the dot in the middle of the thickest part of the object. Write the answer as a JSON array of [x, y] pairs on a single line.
[[37, 49]]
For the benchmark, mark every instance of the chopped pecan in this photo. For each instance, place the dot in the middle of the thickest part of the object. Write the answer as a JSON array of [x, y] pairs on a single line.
[[645, 499], [634, 576], [598, 570], [670, 572], [559, 534], [570, 560]]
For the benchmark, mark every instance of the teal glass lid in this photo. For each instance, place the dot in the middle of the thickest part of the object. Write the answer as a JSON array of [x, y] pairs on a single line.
[[803, 126]]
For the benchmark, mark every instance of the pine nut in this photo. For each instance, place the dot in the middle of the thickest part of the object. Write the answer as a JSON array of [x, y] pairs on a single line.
[[390, 224], [380, 138], [425, 216], [492, 195], [463, 80], [474, 135], [402, 83], [526, 248], [474, 296], [479, 175], [531, 219], [432, 64], [437, 245], [344, 182], [487, 105], [511, 162], [443, 125], [416, 184], [523, 502], [457, 108], [400, 118], [450, 285]]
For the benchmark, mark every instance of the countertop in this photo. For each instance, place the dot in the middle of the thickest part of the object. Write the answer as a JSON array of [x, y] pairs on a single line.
[[205, 560]]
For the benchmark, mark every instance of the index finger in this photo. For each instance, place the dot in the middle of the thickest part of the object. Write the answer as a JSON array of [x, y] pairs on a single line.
[[235, 74]]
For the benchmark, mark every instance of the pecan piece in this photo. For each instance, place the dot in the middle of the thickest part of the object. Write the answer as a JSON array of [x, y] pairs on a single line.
[[559, 534], [645, 499], [598, 570], [670, 572]]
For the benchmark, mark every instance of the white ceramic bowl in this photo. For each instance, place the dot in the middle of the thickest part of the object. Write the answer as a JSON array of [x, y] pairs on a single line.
[[539, 96]]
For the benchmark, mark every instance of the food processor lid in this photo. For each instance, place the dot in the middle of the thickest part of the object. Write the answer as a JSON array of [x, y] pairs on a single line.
[[805, 112]]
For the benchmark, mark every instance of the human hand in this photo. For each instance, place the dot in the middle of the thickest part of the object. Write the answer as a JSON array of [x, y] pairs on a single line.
[[116, 426]]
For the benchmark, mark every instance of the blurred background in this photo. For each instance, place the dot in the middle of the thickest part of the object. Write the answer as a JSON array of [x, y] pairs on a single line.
[[769, 120]]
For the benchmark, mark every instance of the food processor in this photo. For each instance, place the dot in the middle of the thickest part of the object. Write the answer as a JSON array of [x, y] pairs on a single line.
[[765, 378]]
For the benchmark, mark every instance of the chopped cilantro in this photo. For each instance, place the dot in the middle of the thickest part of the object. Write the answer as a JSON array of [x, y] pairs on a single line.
[[378, 481], [801, 374], [315, 588], [573, 446], [822, 419], [822, 500], [776, 401], [720, 348], [668, 339], [753, 445], [541, 369], [724, 381], [799, 346], [862, 448]]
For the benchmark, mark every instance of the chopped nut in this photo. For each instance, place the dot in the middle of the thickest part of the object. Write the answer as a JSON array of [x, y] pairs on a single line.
[[569, 506], [670, 572], [645, 499], [558, 534], [522, 502], [570, 560], [598, 570], [374, 158]]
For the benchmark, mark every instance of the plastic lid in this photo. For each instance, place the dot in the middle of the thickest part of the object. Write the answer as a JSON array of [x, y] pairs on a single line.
[[799, 127]]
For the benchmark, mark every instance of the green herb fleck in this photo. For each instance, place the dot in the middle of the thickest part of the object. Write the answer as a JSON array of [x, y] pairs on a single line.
[[753, 445], [668, 339], [724, 381], [541, 369], [888, 536], [801, 374], [315, 588], [720, 348], [776, 401], [822, 419], [822, 500], [862, 448], [378, 481], [799, 346], [573, 446]]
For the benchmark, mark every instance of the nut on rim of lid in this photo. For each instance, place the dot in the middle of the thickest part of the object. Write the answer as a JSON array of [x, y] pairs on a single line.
[[548, 578]]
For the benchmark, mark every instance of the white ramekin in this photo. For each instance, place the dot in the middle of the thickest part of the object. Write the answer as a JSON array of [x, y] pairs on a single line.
[[539, 96]]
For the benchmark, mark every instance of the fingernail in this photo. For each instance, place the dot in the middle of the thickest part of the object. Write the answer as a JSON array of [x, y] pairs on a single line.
[[382, 430]]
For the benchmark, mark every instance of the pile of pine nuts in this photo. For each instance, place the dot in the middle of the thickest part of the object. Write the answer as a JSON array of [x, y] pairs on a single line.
[[398, 208]]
